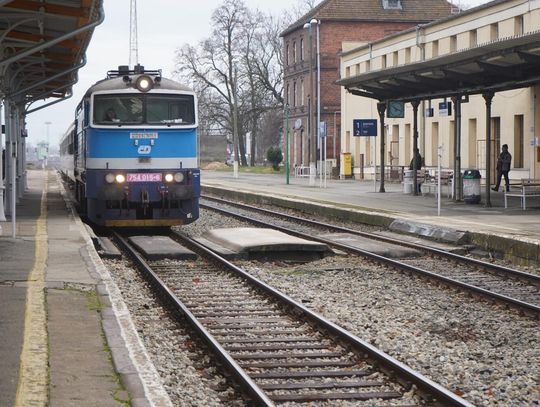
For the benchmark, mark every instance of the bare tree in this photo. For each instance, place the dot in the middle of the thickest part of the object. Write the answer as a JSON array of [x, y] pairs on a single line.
[[214, 64], [238, 73]]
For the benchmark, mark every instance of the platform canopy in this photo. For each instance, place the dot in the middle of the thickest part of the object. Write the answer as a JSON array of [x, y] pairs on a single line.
[[503, 64], [43, 45]]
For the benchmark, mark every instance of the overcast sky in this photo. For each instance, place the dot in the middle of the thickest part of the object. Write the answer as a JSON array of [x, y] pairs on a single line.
[[163, 26]]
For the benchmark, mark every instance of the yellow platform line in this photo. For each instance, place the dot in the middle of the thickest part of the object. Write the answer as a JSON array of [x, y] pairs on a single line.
[[32, 388]]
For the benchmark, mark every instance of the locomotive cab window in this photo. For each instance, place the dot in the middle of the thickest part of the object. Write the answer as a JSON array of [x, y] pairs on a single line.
[[165, 109], [117, 110]]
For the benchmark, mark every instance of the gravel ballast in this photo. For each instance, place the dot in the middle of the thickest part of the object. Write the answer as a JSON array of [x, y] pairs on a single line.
[[484, 352]]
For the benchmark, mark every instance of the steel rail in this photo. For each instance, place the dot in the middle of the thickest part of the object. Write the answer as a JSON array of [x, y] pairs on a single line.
[[439, 393], [385, 260], [494, 267], [245, 381]]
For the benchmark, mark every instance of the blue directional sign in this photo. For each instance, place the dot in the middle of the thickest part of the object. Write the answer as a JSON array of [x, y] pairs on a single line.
[[365, 127]]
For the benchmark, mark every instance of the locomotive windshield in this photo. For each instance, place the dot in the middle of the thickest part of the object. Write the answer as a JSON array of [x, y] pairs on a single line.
[[151, 109]]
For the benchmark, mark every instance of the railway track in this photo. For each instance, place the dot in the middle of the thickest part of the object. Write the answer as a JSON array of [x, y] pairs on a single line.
[[276, 349], [503, 284]]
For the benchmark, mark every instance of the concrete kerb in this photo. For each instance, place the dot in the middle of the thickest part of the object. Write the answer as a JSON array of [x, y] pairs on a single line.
[[343, 212], [517, 251], [521, 252]]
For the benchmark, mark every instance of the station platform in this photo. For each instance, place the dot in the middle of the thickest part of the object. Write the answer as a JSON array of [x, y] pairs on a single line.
[[66, 338], [511, 232]]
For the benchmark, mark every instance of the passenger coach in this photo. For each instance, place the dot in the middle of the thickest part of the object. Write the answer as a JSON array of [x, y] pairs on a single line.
[[132, 151]]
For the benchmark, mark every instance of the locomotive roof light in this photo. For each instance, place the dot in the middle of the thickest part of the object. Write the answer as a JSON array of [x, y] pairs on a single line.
[[144, 83]]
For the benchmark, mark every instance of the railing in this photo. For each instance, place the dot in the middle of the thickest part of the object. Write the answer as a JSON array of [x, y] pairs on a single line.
[[301, 171]]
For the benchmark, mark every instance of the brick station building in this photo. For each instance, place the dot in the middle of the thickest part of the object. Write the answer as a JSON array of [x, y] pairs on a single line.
[[341, 25]]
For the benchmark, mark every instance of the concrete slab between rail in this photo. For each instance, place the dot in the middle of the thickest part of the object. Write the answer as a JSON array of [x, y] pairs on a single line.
[[161, 247], [262, 243], [432, 231], [376, 247], [519, 249], [107, 249]]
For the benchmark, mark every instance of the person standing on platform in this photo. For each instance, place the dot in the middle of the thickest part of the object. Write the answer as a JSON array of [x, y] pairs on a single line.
[[503, 168], [416, 165], [416, 162]]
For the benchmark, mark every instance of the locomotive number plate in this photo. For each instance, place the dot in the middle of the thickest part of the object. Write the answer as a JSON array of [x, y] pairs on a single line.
[[144, 177], [143, 135]]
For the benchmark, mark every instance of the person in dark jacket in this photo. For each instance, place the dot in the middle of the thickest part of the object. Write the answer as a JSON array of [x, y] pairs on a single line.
[[503, 168], [416, 162]]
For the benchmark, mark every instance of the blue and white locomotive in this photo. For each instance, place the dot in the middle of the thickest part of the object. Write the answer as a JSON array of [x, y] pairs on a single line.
[[132, 151]]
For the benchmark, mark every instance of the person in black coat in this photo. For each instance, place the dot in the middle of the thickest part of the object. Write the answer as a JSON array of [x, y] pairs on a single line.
[[503, 168], [416, 164]]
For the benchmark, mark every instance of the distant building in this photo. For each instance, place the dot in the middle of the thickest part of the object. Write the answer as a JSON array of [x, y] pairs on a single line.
[[494, 47], [342, 24]]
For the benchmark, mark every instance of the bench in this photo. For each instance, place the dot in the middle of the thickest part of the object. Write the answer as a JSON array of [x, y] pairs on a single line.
[[301, 171], [432, 183], [527, 188]]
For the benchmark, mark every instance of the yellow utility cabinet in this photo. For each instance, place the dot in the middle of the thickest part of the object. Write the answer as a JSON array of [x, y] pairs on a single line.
[[347, 164]]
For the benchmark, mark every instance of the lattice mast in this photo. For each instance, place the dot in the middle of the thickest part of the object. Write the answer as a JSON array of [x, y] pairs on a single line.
[[133, 39]]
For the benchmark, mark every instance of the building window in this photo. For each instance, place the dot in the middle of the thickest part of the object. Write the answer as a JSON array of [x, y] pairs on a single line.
[[301, 49], [407, 55], [519, 141], [383, 61], [302, 96], [473, 38], [435, 49], [294, 94], [494, 32], [287, 55], [348, 72], [453, 43], [294, 52], [391, 4], [287, 94], [518, 25]]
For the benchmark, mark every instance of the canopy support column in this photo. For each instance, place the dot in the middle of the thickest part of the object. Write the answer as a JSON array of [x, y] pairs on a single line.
[[381, 108], [458, 184], [488, 97], [415, 104]]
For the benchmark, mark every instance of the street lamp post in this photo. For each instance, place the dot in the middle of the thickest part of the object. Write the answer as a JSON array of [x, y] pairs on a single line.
[[2, 164], [287, 143], [45, 161], [319, 141], [313, 167]]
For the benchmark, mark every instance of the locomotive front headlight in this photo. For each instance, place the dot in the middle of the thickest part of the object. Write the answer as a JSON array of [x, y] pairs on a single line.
[[144, 83], [169, 177], [109, 178], [120, 178], [179, 176]]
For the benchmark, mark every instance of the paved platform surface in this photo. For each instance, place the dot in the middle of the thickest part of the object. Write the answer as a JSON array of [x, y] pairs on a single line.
[[61, 322], [503, 226]]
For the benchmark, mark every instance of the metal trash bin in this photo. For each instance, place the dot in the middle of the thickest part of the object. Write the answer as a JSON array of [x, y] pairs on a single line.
[[471, 186], [408, 182]]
